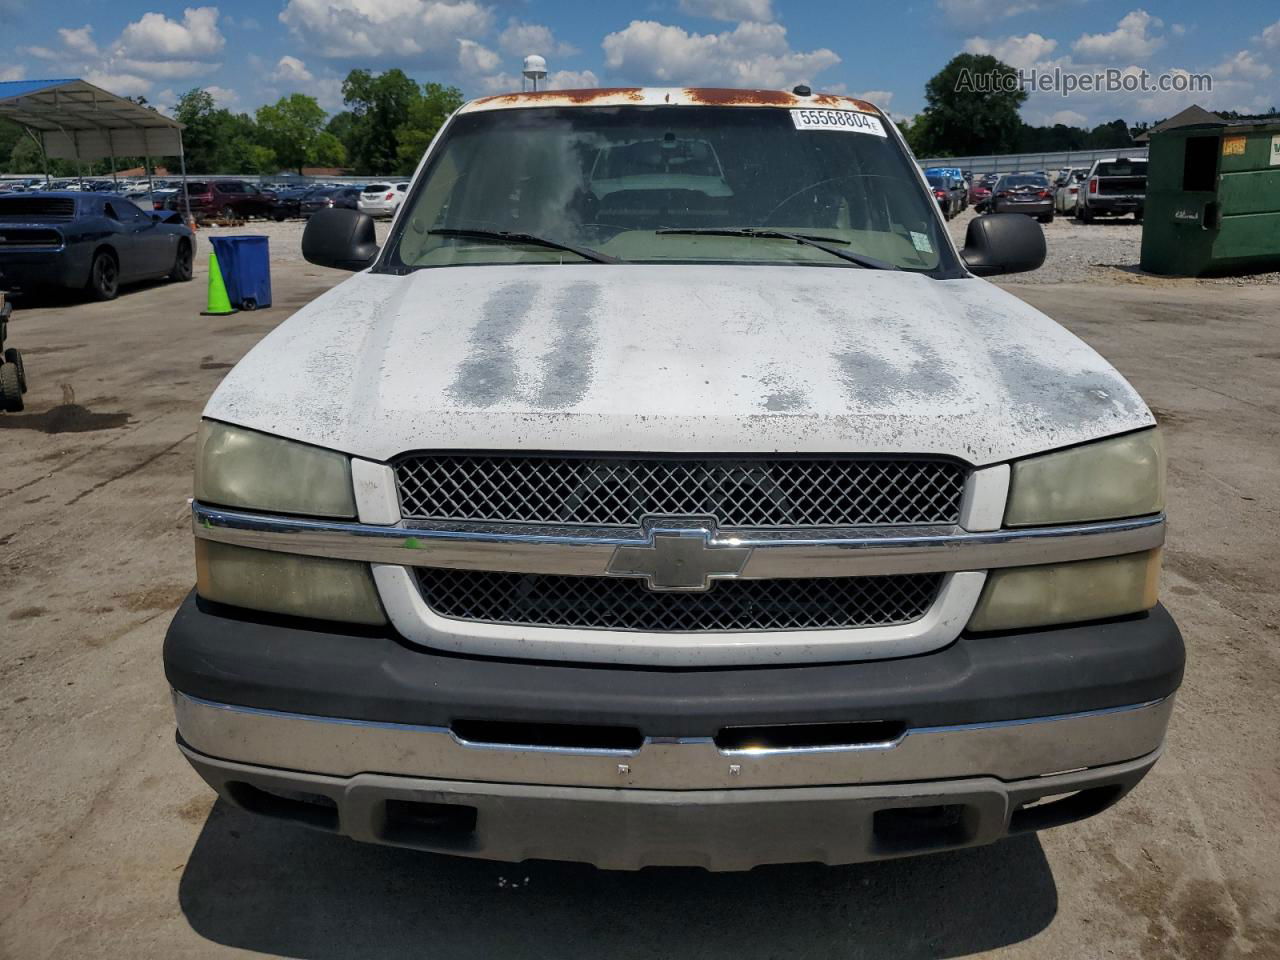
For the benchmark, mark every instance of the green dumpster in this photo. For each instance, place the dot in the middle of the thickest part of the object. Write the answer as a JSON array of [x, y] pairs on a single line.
[[1213, 199]]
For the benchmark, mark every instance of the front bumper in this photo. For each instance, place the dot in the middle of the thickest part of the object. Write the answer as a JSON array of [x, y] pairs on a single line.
[[630, 829], [360, 732]]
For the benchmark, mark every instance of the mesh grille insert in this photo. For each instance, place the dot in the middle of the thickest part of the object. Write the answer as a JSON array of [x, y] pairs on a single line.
[[792, 492], [622, 603]]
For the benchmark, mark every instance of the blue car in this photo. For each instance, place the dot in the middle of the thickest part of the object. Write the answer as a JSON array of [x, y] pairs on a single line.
[[88, 241]]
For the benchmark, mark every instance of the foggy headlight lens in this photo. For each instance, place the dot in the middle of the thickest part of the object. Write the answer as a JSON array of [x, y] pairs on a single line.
[[1024, 597], [287, 583], [1106, 480], [256, 471]]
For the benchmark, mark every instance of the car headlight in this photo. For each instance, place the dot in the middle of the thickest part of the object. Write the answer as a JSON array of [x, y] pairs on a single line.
[[286, 583], [1105, 480], [256, 471], [1028, 597]]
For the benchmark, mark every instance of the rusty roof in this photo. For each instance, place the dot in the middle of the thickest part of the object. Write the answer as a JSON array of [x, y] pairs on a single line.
[[659, 96]]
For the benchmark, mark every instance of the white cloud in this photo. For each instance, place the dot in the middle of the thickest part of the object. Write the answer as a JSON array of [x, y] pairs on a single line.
[[750, 55], [291, 72], [1131, 40], [759, 11], [222, 96], [421, 31], [520, 39], [572, 80], [881, 98], [80, 40], [474, 58], [44, 53], [1069, 118], [1270, 37], [291, 75], [12, 73], [1243, 66], [197, 37], [163, 69], [1023, 52], [123, 84], [969, 12]]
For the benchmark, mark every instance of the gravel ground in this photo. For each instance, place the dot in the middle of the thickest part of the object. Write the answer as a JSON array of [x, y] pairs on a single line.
[[1101, 252], [1106, 251]]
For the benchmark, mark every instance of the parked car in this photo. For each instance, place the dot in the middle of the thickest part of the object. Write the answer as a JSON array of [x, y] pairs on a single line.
[[1067, 191], [288, 202], [1027, 193], [382, 199], [227, 199], [669, 528], [88, 241], [980, 191], [13, 373], [1114, 187], [326, 198], [948, 192], [956, 174]]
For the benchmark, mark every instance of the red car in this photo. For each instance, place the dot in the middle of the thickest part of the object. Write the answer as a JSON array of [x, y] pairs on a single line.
[[228, 199], [980, 192]]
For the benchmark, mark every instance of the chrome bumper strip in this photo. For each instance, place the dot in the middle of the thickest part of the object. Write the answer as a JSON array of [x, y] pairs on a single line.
[[1010, 750], [588, 552]]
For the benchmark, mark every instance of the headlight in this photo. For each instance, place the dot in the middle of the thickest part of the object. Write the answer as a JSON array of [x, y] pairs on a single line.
[[1120, 477], [1025, 597], [256, 471], [286, 583]]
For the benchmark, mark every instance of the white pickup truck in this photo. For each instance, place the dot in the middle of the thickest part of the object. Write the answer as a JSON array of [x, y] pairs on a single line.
[[722, 517]]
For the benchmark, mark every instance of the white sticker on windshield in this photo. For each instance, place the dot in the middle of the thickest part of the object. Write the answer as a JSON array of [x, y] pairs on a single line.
[[921, 242], [848, 121]]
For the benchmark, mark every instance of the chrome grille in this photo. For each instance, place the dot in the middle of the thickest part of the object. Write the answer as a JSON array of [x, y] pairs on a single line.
[[775, 492], [621, 603]]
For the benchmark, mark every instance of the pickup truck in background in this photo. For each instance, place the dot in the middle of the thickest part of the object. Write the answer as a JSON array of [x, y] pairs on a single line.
[[638, 505], [1113, 188]]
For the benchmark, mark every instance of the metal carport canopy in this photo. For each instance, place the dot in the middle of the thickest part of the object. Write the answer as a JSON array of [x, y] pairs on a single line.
[[76, 120]]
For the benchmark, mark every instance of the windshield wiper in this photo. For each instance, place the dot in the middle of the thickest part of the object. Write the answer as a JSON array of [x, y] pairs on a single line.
[[506, 236], [766, 233]]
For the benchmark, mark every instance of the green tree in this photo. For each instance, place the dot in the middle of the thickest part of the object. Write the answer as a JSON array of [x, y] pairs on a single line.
[[1108, 136], [427, 115], [379, 104], [292, 128], [971, 108]]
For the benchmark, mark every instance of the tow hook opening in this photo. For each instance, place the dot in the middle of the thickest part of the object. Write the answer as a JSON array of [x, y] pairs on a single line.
[[809, 736], [552, 736]]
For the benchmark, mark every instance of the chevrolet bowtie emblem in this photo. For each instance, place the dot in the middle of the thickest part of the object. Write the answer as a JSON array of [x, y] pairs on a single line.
[[680, 555]]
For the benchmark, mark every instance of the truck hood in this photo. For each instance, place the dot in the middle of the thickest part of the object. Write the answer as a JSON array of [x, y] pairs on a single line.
[[679, 358]]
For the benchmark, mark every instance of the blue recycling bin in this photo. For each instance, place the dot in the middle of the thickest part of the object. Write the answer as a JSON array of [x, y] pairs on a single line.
[[246, 270]]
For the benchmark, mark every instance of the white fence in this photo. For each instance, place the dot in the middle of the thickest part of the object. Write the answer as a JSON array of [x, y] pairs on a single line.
[[1027, 162]]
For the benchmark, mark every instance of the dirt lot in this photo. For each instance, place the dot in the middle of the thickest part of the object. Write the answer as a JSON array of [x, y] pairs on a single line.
[[112, 847]]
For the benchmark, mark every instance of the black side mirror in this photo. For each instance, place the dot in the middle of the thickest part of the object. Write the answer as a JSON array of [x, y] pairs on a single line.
[[1002, 243], [340, 238]]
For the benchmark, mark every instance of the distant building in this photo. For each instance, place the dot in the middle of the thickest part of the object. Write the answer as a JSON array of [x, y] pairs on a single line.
[[1193, 116], [142, 172]]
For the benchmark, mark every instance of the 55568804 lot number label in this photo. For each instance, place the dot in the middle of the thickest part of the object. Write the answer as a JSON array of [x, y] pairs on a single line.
[[845, 121]]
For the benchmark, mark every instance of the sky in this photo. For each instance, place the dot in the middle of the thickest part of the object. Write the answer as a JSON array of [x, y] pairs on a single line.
[[250, 52]]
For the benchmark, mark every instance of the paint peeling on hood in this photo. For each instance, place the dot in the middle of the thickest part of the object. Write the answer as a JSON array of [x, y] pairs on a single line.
[[676, 358]]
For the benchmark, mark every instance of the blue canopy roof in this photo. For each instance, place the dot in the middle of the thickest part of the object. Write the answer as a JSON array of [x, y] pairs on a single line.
[[75, 119]]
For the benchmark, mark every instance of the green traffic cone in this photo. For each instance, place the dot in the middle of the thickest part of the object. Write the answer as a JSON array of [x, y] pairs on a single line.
[[219, 303]]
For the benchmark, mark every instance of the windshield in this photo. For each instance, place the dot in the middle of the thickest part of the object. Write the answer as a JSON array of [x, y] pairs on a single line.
[[1010, 183], [618, 180], [1122, 168]]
